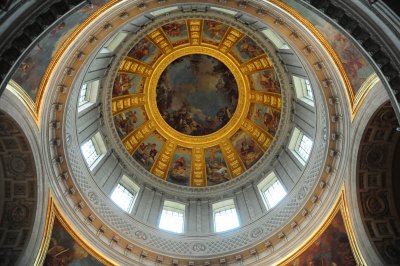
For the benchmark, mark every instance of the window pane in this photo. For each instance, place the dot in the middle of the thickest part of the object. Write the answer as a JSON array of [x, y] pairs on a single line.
[[172, 220], [225, 220], [89, 152], [274, 194], [82, 95], [309, 89], [304, 147], [123, 198]]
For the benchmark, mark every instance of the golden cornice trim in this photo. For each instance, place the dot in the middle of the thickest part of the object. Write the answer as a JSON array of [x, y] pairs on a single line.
[[134, 66], [195, 31], [21, 94], [368, 84], [198, 175], [270, 99], [123, 103], [159, 39], [161, 165], [137, 136], [48, 228], [235, 164], [349, 228], [184, 140]]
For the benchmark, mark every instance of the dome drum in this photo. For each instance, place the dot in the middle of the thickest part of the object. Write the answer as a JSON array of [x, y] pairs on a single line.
[[173, 154]]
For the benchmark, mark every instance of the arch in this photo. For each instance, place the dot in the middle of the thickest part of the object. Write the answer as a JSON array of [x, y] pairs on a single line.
[[23, 200]]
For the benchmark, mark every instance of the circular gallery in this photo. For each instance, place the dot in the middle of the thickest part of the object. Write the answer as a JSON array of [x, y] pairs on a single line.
[[200, 133]]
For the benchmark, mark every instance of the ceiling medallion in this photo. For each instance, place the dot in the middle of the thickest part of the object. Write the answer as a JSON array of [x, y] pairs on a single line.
[[196, 102], [197, 95]]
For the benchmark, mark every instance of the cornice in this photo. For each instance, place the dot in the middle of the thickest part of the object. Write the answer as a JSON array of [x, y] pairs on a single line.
[[329, 176]]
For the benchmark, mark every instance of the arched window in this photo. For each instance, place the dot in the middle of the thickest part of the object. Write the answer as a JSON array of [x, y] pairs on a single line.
[[271, 190], [172, 217], [304, 90], [225, 216], [93, 150], [300, 145], [88, 94], [125, 194]]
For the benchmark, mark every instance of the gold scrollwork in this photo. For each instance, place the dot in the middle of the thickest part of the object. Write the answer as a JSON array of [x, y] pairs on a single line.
[[123, 103], [257, 64], [161, 166], [195, 28], [273, 100], [158, 38], [132, 141], [263, 138], [130, 65], [235, 164], [230, 39]]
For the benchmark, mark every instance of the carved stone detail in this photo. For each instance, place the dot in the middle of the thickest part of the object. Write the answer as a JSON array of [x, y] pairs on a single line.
[[375, 185], [18, 179]]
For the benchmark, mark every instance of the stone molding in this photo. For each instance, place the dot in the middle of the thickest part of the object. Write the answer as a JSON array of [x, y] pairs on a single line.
[[77, 209], [10, 105]]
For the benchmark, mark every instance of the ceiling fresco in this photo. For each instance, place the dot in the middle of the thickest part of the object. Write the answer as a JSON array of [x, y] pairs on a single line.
[[197, 95], [196, 102], [64, 250], [31, 71], [355, 64], [332, 247]]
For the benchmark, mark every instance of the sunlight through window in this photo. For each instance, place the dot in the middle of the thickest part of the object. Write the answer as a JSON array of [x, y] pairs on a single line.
[[309, 93], [88, 94], [303, 90], [271, 190], [274, 194], [172, 217], [82, 95], [300, 145], [225, 216], [123, 197], [304, 147], [89, 152]]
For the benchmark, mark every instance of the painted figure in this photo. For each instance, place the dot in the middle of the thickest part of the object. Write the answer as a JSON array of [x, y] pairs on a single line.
[[173, 29], [247, 149], [122, 84], [176, 32], [267, 118], [246, 48], [146, 154], [125, 123], [268, 81], [217, 171], [145, 51], [63, 250], [215, 30], [179, 172], [331, 248], [197, 95]]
